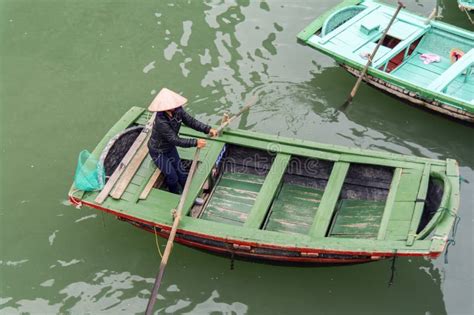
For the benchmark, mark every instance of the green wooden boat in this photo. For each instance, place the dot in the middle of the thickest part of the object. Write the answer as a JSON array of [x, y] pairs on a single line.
[[351, 30], [283, 200], [466, 5]]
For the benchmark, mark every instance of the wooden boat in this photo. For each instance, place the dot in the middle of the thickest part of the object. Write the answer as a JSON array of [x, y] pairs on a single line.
[[283, 200], [349, 32], [466, 5]]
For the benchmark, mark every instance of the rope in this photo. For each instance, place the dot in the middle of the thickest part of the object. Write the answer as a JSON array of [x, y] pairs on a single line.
[[452, 240], [76, 203], [392, 268], [232, 255], [156, 242]]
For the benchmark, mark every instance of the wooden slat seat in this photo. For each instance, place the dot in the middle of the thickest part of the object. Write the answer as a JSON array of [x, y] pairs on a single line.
[[357, 219], [323, 216], [233, 198], [293, 209], [268, 191], [401, 214]]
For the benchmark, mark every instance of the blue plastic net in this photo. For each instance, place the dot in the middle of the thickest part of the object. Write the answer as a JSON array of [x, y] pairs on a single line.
[[90, 174]]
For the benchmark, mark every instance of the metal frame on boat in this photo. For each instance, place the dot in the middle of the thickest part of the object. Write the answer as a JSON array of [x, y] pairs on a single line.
[[349, 31], [285, 200]]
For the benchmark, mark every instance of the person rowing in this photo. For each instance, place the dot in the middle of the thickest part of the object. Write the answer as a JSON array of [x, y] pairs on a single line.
[[164, 138]]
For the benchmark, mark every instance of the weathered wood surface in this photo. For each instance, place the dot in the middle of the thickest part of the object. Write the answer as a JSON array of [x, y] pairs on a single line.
[[130, 171], [322, 220], [293, 206], [233, 198], [293, 209], [419, 204], [125, 161], [150, 184], [357, 219], [268, 191]]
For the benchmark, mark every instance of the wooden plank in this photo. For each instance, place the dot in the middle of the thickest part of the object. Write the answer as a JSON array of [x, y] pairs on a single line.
[[150, 183], [127, 119], [130, 170], [387, 212], [268, 191], [330, 197], [453, 71], [360, 218], [452, 168], [419, 205], [409, 185], [123, 164]]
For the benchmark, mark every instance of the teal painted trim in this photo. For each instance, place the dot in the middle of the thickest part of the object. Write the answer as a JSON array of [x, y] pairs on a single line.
[[427, 94], [267, 192], [448, 76], [322, 220], [389, 203], [419, 205], [348, 24], [318, 23], [399, 48]]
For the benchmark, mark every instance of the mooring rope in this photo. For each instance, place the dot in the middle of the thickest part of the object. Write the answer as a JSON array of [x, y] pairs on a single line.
[[392, 268], [156, 241], [452, 240]]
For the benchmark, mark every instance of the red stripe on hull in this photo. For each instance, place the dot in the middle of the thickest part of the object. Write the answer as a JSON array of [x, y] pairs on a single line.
[[232, 242]]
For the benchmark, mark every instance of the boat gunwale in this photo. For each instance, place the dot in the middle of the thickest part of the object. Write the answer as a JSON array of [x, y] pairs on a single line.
[[403, 250]]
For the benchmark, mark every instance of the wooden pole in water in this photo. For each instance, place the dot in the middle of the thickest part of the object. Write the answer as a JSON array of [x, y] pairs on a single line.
[[169, 244], [227, 121], [369, 61]]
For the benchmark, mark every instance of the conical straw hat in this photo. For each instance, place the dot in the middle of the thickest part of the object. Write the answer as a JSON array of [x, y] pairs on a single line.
[[166, 100]]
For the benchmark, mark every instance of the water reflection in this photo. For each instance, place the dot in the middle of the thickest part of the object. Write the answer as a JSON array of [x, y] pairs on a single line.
[[110, 292], [85, 63]]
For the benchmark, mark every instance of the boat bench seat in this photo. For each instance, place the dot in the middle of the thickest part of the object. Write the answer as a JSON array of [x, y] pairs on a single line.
[[403, 209], [414, 70], [452, 72], [139, 180], [357, 219], [293, 209], [233, 198]]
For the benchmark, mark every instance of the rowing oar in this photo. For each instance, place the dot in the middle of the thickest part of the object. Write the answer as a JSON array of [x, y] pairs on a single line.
[[177, 218], [251, 101], [372, 55]]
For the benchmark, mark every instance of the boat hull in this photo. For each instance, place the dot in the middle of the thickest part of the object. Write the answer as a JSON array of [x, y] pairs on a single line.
[[412, 97], [268, 253]]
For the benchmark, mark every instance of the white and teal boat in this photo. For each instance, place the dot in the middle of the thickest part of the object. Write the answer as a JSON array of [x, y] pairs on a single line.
[[466, 5], [428, 63]]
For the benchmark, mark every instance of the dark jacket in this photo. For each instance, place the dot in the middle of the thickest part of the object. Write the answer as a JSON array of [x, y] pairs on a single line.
[[164, 135]]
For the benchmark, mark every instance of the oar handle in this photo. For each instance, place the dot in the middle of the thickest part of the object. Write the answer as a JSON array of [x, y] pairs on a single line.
[[372, 55], [251, 101], [169, 244]]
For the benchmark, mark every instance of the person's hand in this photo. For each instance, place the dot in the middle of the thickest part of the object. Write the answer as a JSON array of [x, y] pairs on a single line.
[[201, 143], [213, 132]]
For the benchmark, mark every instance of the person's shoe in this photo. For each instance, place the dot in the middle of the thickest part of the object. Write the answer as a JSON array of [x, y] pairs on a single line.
[[199, 201]]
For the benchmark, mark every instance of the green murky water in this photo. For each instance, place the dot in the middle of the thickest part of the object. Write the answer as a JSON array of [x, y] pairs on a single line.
[[70, 69]]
